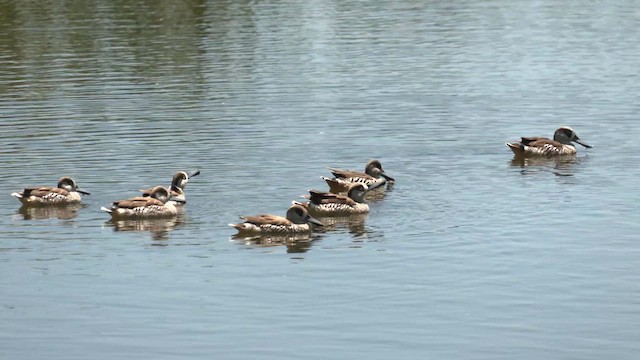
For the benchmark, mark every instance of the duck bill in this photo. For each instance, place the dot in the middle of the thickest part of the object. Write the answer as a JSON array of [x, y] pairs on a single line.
[[583, 143], [389, 178], [194, 173], [314, 221], [83, 192]]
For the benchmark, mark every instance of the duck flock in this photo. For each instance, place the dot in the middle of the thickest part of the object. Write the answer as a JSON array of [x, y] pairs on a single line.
[[344, 198]]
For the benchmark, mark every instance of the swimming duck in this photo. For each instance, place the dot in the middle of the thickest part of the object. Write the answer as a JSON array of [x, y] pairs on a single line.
[[176, 190], [158, 205], [541, 146], [67, 192], [329, 204], [373, 176], [296, 221]]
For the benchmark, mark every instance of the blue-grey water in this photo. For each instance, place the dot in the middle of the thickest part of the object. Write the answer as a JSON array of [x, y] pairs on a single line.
[[468, 256]]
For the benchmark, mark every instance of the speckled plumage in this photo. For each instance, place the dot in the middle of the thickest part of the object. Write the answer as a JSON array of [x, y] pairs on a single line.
[[540, 146], [329, 204], [67, 192], [373, 176]]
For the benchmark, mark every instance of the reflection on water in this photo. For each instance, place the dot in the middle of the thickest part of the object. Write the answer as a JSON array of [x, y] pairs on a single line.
[[62, 212], [294, 243], [354, 224], [262, 95], [159, 228], [378, 194], [559, 166]]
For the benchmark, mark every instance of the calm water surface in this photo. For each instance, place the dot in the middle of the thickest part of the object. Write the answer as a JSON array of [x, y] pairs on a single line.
[[467, 256]]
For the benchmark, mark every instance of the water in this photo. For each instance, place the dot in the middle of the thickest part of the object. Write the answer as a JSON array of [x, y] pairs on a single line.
[[468, 256]]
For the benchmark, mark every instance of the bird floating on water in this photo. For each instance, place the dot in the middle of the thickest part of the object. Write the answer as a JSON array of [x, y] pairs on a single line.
[[296, 221], [329, 204], [67, 192], [373, 176], [158, 205], [541, 146]]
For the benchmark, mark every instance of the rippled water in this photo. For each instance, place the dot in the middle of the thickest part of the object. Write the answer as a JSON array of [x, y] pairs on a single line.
[[468, 256]]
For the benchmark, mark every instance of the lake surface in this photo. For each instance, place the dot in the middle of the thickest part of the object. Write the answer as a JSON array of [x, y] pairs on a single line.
[[468, 256]]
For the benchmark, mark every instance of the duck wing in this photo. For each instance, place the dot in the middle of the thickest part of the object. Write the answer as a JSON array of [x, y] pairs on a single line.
[[43, 191], [266, 219], [348, 174], [138, 201], [323, 197], [541, 142]]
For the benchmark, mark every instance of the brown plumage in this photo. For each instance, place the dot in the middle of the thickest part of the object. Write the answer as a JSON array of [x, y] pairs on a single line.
[[267, 219], [138, 201], [43, 191], [324, 197]]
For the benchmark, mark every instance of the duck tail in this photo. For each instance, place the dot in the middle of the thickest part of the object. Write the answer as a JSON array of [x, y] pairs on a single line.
[[238, 227], [334, 186], [517, 148], [106, 209]]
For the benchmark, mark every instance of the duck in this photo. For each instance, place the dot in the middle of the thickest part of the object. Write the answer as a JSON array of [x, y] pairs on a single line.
[[67, 192], [373, 176], [541, 146], [159, 204], [329, 204], [296, 222], [176, 189]]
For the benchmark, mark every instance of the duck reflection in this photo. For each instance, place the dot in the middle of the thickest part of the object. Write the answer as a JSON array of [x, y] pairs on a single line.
[[62, 212], [559, 166], [378, 194], [355, 224], [159, 228], [295, 243]]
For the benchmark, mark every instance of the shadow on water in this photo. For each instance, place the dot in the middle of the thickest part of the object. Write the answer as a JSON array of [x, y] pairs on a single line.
[[559, 166], [62, 212], [159, 228]]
